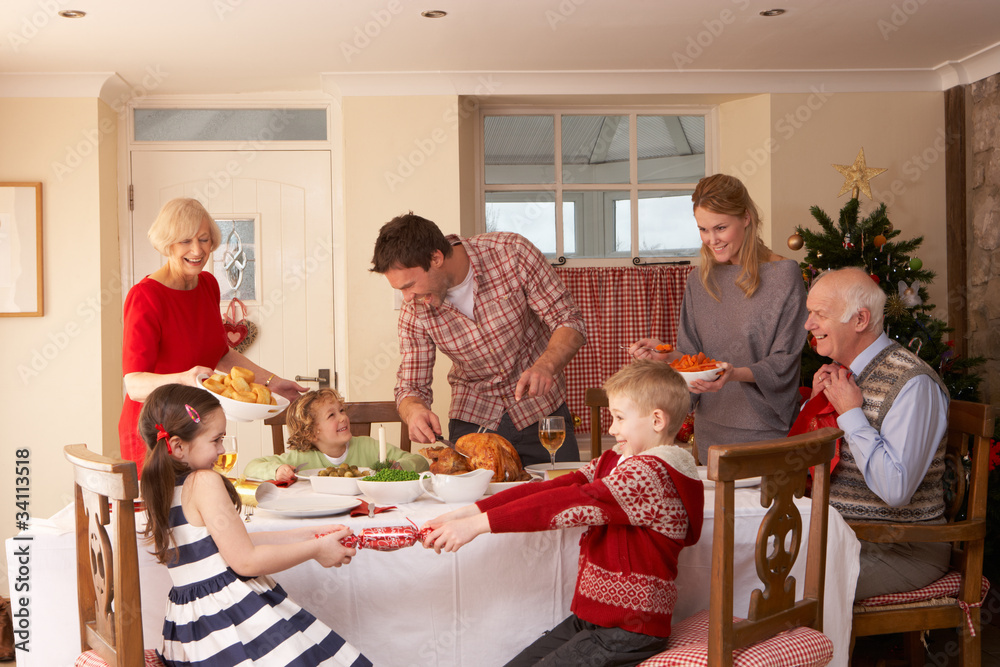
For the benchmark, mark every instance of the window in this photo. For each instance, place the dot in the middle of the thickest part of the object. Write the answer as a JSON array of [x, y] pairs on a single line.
[[595, 186]]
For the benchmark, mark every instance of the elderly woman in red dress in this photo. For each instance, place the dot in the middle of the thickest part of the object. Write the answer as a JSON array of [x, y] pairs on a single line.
[[172, 322]]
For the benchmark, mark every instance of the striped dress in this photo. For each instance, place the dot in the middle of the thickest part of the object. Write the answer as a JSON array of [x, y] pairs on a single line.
[[217, 618]]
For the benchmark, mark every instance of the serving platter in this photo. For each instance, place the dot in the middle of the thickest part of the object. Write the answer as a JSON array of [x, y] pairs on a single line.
[[497, 487], [739, 484], [245, 412], [309, 506]]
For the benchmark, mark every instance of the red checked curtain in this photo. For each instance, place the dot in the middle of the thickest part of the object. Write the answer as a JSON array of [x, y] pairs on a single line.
[[620, 305]]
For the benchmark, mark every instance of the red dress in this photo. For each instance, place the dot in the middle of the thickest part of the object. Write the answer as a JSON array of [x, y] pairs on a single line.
[[167, 331]]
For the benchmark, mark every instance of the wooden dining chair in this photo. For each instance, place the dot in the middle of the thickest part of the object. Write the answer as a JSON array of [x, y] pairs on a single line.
[[595, 398], [107, 566], [779, 623], [362, 414], [954, 600]]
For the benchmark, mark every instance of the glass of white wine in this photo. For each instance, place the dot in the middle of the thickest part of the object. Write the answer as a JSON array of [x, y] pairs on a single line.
[[552, 432], [227, 459]]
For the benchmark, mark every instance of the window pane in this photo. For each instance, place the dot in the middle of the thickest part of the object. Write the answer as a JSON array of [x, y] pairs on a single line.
[[595, 149], [530, 214], [230, 124], [519, 149], [671, 148], [667, 225]]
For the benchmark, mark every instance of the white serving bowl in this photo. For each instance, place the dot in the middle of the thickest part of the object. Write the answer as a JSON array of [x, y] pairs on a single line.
[[341, 486], [391, 493], [465, 488], [708, 375], [246, 412]]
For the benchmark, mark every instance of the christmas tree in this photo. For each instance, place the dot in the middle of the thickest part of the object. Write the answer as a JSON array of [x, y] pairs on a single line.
[[873, 243]]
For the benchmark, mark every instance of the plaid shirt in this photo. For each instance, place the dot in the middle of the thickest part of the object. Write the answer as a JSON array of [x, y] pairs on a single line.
[[518, 302]]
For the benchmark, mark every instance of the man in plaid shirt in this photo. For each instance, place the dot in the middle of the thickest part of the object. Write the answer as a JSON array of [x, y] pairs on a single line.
[[497, 309]]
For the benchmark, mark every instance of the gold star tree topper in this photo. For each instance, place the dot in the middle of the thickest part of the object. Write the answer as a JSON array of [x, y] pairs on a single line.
[[857, 176]]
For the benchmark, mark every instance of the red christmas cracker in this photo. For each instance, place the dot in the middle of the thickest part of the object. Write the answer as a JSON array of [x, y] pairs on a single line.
[[385, 538]]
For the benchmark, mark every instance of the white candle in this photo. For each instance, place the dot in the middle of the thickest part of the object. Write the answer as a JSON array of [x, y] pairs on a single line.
[[381, 443]]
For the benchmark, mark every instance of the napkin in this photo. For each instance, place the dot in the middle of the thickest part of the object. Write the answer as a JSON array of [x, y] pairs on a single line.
[[362, 509]]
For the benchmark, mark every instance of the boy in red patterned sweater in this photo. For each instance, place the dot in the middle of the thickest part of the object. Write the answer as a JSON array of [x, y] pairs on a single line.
[[642, 503]]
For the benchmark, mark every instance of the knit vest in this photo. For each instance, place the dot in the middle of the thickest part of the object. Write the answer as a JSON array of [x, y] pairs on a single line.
[[880, 383]]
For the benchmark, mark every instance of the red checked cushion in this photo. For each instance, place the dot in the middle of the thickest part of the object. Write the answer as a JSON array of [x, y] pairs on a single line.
[[688, 647], [91, 659], [945, 587]]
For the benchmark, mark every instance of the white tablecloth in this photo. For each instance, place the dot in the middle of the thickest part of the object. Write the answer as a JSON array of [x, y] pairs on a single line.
[[478, 607]]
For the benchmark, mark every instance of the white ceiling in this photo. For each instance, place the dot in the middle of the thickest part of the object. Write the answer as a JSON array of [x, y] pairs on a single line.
[[196, 47]]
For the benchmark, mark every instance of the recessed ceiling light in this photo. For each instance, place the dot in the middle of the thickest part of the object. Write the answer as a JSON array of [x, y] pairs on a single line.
[[72, 14], [773, 12], [434, 14]]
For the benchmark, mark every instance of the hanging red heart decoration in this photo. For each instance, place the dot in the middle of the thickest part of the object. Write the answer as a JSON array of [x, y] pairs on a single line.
[[235, 332], [240, 332]]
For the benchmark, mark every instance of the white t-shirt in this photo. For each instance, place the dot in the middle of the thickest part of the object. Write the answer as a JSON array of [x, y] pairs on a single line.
[[460, 296]]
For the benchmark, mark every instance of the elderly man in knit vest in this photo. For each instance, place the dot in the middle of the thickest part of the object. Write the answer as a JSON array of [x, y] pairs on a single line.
[[893, 410]]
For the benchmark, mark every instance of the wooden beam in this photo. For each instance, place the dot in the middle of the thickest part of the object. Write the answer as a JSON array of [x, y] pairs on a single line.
[[955, 214]]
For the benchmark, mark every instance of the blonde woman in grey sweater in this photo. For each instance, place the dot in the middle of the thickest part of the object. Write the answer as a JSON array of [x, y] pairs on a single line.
[[746, 307]]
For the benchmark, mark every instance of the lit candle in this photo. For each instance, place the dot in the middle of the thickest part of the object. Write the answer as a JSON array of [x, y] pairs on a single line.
[[381, 443]]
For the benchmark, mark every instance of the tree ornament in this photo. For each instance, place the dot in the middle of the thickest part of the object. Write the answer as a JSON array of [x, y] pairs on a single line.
[[819, 255], [916, 263], [920, 343], [847, 241], [910, 294], [876, 278], [857, 176], [879, 241], [795, 241]]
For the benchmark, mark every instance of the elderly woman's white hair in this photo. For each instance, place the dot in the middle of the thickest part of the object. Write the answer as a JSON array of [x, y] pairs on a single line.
[[180, 219], [858, 291]]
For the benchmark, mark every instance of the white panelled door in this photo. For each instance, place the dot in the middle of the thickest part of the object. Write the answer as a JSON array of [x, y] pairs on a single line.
[[288, 195]]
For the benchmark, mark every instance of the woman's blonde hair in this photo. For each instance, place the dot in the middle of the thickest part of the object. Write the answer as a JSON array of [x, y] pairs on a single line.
[[302, 422], [727, 195], [653, 385], [180, 219]]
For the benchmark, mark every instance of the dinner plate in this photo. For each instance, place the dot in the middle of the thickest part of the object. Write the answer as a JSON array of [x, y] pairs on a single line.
[[307, 506], [740, 483], [497, 487], [540, 468]]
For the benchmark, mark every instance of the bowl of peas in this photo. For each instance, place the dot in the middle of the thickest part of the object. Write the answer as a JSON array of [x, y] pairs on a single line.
[[391, 487]]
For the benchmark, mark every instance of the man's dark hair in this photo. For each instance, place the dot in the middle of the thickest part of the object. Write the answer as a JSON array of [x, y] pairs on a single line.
[[408, 241]]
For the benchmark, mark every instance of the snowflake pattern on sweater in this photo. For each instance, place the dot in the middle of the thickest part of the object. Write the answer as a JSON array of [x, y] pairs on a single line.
[[640, 592]]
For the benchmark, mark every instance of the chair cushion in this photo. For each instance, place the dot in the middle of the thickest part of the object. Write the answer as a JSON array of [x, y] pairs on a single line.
[[799, 647], [91, 659], [945, 587]]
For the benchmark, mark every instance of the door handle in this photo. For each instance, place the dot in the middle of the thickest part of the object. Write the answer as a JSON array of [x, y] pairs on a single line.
[[323, 378]]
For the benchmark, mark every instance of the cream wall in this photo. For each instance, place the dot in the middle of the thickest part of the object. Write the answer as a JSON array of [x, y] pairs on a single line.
[[400, 154], [61, 370], [901, 131], [744, 150]]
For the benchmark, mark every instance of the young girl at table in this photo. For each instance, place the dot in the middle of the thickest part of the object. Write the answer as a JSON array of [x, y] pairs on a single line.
[[223, 610], [319, 436], [641, 502]]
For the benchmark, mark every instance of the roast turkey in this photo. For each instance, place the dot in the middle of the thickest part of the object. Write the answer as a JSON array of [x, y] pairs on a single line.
[[493, 452], [445, 461]]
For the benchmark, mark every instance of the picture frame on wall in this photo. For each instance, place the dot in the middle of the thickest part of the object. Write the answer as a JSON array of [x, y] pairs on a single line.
[[21, 293]]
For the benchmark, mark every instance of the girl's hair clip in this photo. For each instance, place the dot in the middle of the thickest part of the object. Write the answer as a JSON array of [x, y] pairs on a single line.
[[193, 414]]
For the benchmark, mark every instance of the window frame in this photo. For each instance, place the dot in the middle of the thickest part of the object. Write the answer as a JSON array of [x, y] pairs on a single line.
[[633, 187]]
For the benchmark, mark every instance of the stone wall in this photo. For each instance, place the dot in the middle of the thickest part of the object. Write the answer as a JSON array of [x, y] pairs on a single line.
[[984, 235]]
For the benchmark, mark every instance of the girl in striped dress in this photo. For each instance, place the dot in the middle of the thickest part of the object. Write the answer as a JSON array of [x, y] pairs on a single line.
[[223, 609]]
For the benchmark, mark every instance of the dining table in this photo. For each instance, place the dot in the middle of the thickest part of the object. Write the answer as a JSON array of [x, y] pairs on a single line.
[[476, 607]]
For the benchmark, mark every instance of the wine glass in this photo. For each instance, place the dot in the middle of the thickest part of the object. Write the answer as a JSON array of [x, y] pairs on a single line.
[[552, 432], [227, 459]]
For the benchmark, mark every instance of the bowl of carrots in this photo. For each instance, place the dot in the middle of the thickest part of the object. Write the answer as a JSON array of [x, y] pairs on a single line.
[[696, 367]]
